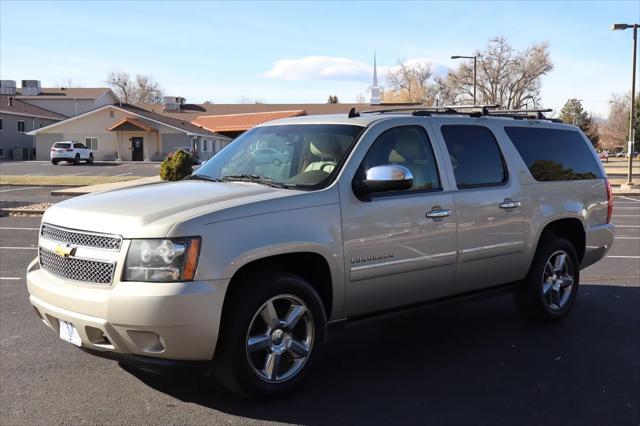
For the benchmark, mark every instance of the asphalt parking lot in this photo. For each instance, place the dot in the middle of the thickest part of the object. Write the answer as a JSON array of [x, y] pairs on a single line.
[[98, 168], [477, 363]]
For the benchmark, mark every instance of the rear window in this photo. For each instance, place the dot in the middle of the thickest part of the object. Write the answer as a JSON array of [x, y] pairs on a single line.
[[475, 156], [62, 145], [554, 154]]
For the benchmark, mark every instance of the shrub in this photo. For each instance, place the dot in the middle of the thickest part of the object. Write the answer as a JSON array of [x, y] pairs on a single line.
[[176, 166]]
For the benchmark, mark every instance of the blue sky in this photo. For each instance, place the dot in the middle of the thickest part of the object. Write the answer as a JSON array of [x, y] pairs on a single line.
[[305, 51]]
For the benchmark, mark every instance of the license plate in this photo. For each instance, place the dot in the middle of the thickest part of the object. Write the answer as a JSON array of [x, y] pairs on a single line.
[[69, 333]]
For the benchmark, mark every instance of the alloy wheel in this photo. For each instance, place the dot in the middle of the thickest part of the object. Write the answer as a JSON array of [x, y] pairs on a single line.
[[280, 338], [557, 280]]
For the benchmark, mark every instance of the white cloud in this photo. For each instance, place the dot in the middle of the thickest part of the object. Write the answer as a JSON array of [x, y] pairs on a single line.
[[320, 68]]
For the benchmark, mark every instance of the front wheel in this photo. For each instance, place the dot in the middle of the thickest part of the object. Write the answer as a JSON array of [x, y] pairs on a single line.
[[76, 159], [273, 332], [550, 289]]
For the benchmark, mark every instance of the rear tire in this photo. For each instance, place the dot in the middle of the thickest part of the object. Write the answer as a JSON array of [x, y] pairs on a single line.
[[272, 333], [549, 291], [90, 159], [55, 162], [76, 160]]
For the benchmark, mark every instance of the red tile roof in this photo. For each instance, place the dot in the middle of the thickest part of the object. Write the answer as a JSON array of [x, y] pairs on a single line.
[[242, 122]]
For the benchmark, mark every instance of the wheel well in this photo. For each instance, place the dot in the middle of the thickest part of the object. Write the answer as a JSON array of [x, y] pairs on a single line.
[[312, 267], [572, 230]]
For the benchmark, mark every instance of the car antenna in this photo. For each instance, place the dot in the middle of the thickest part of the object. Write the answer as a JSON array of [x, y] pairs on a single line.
[[353, 113]]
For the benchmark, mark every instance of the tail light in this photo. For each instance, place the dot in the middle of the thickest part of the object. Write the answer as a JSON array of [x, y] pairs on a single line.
[[609, 201], [53, 149]]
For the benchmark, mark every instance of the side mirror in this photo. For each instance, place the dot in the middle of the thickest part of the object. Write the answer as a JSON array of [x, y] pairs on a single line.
[[390, 177]]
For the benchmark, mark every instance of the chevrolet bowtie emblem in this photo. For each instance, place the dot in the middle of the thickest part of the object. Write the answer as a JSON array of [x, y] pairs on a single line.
[[65, 250]]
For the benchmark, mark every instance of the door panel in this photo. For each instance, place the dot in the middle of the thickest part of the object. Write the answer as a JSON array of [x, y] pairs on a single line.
[[395, 254]]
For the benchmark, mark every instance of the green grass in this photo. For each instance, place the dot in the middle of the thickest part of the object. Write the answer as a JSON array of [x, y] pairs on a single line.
[[61, 180]]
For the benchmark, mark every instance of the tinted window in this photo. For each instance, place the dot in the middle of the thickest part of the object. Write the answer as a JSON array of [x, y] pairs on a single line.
[[62, 145], [554, 154], [475, 156], [407, 146]]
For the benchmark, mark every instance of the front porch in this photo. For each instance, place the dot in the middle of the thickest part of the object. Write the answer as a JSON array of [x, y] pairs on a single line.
[[136, 141]]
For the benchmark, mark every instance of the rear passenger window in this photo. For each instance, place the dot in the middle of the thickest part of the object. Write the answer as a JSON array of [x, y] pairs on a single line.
[[475, 156], [408, 146], [554, 154]]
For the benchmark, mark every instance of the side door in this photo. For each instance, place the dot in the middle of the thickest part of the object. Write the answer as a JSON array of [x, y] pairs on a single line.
[[395, 254], [488, 203]]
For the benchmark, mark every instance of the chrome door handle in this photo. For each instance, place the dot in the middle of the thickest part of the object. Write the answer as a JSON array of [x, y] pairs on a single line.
[[437, 214], [509, 204]]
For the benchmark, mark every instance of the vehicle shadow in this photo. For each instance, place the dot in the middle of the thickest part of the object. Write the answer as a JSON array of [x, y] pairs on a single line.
[[477, 363]]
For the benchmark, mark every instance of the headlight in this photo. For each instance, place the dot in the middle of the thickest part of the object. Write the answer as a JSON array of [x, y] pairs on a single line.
[[167, 260]]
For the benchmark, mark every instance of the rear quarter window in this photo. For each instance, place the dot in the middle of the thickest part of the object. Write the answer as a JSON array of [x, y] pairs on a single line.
[[554, 154]]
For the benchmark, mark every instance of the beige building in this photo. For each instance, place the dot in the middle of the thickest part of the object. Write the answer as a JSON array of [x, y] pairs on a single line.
[[128, 133]]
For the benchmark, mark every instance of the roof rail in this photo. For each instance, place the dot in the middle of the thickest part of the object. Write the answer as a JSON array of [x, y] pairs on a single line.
[[470, 110], [522, 113]]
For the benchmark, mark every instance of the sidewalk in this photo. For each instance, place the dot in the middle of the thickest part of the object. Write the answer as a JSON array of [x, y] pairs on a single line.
[[82, 190]]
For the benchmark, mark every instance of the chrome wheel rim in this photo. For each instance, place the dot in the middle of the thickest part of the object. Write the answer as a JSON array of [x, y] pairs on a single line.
[[557, 280], [280, 338]]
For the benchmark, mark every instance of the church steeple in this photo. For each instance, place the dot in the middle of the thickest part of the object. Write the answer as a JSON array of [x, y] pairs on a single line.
[[375, 89]]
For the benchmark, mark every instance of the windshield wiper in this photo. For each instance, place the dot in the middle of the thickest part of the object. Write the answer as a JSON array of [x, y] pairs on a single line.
[[254, 179], [202, 177]]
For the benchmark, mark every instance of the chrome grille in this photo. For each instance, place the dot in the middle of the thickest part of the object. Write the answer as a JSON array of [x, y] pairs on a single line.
[[80, 238], [73, 268]]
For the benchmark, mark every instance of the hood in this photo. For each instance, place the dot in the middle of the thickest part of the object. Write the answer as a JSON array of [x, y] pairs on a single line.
[[151, 210]]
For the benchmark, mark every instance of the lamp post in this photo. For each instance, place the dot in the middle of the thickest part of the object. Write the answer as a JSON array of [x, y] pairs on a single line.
[[475, 62], [616, 27]]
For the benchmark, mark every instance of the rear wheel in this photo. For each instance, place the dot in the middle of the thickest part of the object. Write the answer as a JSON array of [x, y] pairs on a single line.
[[55, 162], [90, 159], [76, 159], [550, 289], [273, 331]]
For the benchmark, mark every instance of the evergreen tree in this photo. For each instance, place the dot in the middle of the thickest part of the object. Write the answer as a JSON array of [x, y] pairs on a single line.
[[573, 113]]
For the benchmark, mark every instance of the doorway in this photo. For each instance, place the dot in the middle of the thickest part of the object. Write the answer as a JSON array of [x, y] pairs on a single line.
[[137, 149]]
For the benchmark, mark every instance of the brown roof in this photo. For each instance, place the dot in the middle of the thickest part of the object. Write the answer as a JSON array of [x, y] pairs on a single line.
[[16, 106], [242, 122], [175, 122], [190, 112], [129, 124], [72, 92]]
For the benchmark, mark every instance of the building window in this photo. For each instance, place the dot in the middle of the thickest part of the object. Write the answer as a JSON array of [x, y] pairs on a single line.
[[1, 152], [112, 115], [21, 126], [0, 124], [205, 145], [91, 143]]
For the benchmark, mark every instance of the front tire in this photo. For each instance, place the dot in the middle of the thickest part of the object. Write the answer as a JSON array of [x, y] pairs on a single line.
[[76, 160], [549, 291], [273, 331]]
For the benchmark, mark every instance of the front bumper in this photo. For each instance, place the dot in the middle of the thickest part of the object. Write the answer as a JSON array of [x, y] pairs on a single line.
[[599, 239], [173, 321]]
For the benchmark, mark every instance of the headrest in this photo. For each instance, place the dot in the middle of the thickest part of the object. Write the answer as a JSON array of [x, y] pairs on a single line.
[[408, 147], [325, 146]]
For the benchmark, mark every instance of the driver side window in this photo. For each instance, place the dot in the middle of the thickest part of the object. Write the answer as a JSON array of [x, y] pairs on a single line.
[[407, 146]]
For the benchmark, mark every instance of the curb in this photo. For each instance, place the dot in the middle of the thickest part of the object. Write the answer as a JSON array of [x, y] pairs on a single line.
[[10, 211]]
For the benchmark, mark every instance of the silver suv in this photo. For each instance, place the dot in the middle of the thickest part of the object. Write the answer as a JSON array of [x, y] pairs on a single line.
[[245, 263]]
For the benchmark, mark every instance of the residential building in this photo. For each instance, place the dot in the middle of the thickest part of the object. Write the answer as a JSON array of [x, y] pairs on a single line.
[[17, 119], [125, 132]]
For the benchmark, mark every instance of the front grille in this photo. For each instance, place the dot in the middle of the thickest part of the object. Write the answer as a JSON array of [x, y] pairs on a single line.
[[90, 271], [80, 238]]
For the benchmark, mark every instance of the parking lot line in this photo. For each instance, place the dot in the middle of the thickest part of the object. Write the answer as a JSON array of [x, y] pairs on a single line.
[[627, 198], [626, 226], [10, 278], [9, 228], [626, 215], [125, 174], [18, 248], [624, 257], [20, 189], [624, 237]]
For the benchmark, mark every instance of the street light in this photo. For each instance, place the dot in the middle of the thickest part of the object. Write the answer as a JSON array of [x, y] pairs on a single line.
[[633, 96], [475, 60]]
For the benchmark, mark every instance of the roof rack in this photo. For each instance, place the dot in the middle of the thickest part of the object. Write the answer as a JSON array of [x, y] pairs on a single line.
[[469, 110]]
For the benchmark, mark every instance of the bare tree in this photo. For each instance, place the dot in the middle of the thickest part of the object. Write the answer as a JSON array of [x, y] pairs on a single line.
[[67, 83], [141, 89], [615, 131], [505, 76], [360, 99], [410, 83]]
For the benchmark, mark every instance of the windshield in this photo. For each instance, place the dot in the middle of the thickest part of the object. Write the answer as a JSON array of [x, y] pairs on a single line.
[[301, 155]]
